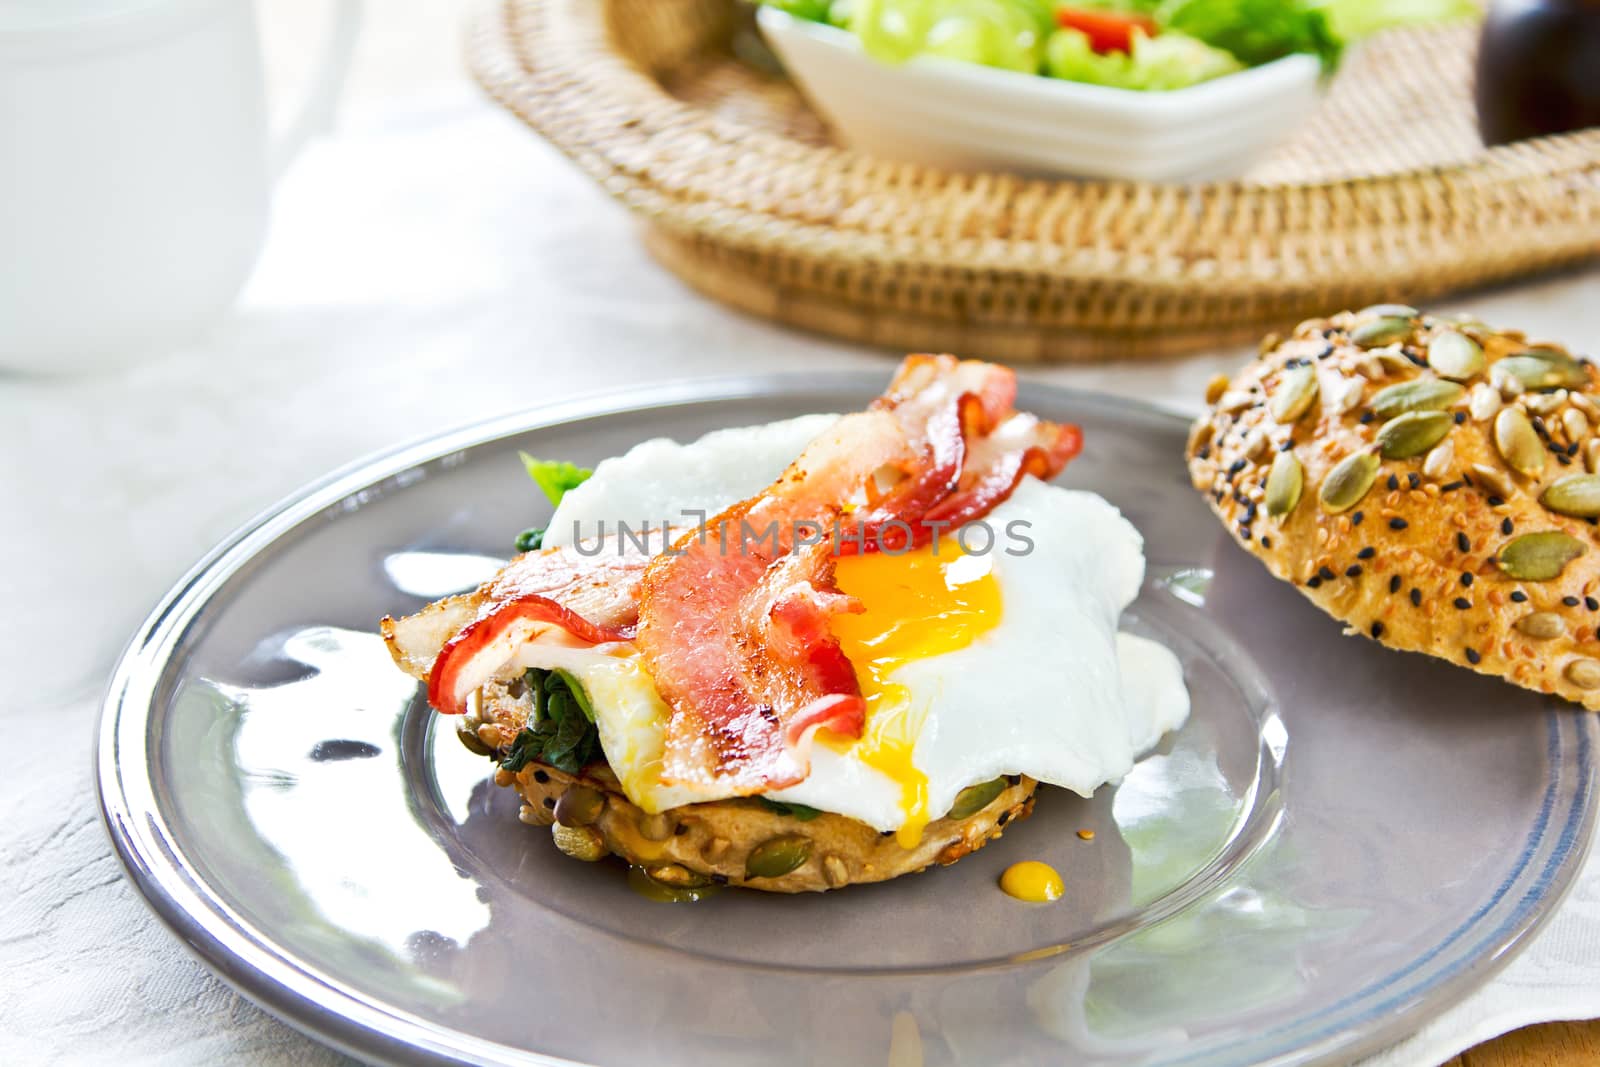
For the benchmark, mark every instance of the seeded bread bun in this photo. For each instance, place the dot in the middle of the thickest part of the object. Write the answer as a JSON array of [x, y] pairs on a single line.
[[730, 842], [1432, 483]]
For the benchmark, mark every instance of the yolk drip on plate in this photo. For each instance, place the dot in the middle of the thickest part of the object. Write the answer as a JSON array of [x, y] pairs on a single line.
[[1032, 881], [916, 605]]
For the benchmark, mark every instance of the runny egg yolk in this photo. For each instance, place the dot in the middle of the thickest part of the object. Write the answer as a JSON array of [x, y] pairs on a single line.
[[915, 605], [1032, 881]]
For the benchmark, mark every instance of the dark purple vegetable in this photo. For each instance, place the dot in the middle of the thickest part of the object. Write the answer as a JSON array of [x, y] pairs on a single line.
[[1538, 69]]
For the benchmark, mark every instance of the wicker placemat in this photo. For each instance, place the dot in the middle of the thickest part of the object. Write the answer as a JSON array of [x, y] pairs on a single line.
[[1386, 194]]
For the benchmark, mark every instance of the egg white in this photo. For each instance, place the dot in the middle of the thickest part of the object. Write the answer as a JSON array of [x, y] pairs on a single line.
[[1052, 691]]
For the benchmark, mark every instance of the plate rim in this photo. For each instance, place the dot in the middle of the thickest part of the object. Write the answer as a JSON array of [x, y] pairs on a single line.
[[323, 1010]]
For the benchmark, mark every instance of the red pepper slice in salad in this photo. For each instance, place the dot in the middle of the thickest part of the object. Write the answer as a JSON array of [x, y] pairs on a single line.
[[1108, 31]]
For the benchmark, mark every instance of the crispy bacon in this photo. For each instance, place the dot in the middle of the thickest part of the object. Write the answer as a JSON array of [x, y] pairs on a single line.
[[734, 624], [737, 630], [472, 656], [972, 450], [559, 594]]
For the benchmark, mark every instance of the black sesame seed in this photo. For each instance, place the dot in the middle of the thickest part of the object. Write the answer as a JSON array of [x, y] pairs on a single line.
[[1462, 603], [1353, 571], [550, 802], [1518, 596], [1325, 573], [1266, 542], [721, 879], [1571, 601], [1204, 452], [1463, 542], [1377, 630], [1355, 519], [1597, 633], [1313, 581], [1563, 459], [1506, 527], [1472, 655], [1450, 487], [1287, 444], [1366, 417], [1416, 598], [1413, 479], [1398, 524], [1367, 553], [1394, 483], [1496, 501], [1005, 817], [1394, 583], [1572, 449], [1591, 603], [1466, 579], [540, 777], [1237, 465], [1461, 416]]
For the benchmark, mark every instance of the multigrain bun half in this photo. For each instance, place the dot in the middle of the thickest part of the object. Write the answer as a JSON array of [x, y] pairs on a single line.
[[729, 842], [1430, 482]]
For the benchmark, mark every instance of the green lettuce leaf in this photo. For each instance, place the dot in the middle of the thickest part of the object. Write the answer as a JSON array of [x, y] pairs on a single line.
[[1165, 61], [1255, 31], [1352, 20], [1008, 34], [554, 476]]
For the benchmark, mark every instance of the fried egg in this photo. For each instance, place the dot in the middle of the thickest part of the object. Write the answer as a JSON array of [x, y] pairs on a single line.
[[995, 654]]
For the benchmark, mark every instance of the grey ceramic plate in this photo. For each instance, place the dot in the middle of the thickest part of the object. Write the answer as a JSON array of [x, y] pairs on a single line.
[[1341, 841]]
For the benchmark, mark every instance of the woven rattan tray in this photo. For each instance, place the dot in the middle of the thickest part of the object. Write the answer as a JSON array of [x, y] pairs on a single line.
[[1386, 194]]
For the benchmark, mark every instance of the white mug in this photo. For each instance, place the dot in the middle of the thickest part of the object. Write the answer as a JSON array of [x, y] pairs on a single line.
[[135, 171]]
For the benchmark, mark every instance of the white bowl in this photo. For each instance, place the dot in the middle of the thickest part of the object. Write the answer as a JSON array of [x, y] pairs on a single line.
[[967, 117]]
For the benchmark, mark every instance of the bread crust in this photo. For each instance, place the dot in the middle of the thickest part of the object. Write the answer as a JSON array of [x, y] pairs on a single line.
[[1431, 558], [712, 842]]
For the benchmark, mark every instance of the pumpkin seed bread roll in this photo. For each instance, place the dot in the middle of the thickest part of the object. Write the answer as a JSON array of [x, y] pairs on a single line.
[[743, 842], [1432, 483]]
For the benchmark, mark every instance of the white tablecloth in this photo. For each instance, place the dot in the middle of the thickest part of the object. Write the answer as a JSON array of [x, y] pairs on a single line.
[[427, 268]]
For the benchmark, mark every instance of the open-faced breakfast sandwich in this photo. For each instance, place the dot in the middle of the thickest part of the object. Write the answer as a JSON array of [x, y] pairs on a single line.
[[834, 649], [1433, 483]]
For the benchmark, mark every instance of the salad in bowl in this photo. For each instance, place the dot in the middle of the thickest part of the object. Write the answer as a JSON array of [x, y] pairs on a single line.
[[1142, 89]]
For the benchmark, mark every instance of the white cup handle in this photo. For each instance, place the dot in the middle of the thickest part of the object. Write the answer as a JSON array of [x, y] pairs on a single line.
[[322, 96]]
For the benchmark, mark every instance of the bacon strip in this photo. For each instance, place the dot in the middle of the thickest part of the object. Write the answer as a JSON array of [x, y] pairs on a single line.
[[473, 656], [557, 594], [734, 624]]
